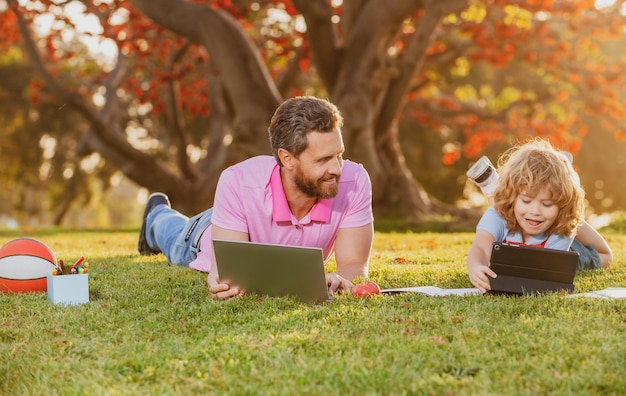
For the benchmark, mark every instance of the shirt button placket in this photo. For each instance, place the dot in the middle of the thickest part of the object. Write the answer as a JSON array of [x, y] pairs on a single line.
[[298, 234]]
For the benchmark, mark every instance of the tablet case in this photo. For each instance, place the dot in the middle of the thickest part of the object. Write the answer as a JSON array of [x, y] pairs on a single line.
[[529, 270], [273, 270]]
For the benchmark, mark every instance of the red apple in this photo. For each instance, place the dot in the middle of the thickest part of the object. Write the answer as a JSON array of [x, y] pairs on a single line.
[[366, 289]]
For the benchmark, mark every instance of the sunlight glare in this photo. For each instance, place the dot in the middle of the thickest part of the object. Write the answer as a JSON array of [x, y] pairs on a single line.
[[88, 29], [194, 153], [98, 97], [85, 23], [48, 145], [142, 196], [91, 162], [276, 15], [44, 170], [604, 3], [115, 179]]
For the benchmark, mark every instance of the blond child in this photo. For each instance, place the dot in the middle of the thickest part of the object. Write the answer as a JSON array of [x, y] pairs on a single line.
[[538, 202]]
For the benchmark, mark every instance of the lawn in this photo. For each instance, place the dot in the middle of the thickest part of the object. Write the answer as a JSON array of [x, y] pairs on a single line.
[[151, 329]]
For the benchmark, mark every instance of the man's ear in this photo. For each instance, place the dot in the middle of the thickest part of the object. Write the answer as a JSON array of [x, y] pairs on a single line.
[[286, 158]]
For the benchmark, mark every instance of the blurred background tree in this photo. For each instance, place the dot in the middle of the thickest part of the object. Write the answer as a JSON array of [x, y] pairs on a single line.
[[166, 94]]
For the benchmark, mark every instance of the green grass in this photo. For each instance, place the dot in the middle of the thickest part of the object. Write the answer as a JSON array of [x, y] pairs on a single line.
[[151, 328]]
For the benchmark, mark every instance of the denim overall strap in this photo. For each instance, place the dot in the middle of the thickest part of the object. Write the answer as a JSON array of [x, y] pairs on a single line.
[[195, 228]]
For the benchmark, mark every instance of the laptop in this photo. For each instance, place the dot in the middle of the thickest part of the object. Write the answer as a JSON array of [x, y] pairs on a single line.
[[273, 270], [531, 270]]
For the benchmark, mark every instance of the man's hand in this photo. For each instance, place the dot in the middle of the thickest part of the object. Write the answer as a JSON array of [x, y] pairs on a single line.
[[336, 282], [218, 290], [221, 291]]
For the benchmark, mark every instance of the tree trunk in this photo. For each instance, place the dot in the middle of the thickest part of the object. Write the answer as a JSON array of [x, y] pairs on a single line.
[[366, 83], [359, 76], [370, 91]]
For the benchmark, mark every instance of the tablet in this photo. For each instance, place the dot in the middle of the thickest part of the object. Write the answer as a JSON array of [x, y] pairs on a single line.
[[528, 270]]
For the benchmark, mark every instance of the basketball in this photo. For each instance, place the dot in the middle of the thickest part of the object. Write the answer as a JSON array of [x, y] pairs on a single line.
[[24, 265]]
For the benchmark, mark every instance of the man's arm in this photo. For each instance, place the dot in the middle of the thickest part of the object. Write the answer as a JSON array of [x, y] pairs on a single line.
[[352, 253], [222, 291]]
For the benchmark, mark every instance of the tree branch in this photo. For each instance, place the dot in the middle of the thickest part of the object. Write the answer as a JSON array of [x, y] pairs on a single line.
[[366, 41], [112, 141], [244, 75], [285, 80], [322, 39], [413, 58], [221, 121], [177, 120]]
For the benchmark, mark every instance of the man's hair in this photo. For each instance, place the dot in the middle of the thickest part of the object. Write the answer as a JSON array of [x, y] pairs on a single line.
[[530, 167], [296, 117]]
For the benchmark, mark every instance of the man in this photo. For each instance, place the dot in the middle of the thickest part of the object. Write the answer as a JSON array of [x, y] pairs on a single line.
[[305, 195]]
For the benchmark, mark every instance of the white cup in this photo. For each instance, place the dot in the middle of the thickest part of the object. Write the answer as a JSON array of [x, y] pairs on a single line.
[[484, 174]]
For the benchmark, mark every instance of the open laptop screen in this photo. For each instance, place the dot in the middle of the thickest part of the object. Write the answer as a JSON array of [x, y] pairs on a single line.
[[273, 270]]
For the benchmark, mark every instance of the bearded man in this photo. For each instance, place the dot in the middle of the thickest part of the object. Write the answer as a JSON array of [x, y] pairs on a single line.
[[306, 194]]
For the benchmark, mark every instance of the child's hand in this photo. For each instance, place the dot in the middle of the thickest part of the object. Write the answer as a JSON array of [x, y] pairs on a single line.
[[478, 259], [479, 276]]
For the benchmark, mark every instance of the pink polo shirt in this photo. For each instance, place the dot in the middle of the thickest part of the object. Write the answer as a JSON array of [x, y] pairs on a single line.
[[250, 198]]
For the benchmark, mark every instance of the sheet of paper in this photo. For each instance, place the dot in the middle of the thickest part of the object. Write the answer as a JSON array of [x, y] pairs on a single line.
[[432, 291], [609, 292]]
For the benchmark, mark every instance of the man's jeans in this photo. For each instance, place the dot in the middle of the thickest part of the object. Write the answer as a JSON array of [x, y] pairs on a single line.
[[175, 234]]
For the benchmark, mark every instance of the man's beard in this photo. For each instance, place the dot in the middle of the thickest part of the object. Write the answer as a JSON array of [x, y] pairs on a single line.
[[315, 188]]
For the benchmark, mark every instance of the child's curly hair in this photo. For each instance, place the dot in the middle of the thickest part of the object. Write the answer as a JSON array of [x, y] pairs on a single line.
[[530, 167]]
